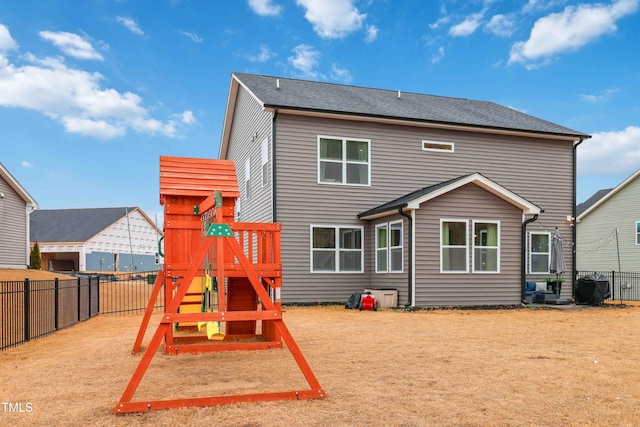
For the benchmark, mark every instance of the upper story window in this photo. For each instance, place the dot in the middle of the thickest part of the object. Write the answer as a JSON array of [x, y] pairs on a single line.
[[247, 179], [539, 252], [439, 146], [637, 232], [265, 162], [344, 160]]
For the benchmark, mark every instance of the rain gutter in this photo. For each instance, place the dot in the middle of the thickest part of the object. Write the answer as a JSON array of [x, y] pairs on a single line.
[[574, 215], [523, 266], [409, 255]]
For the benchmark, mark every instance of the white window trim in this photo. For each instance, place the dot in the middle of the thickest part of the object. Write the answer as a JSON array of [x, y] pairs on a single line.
[[247, 178], [466, 247], [473, 246], [388, 248], [384, 225], [637, 233], [344, 161], [336, 249], [438, 150], [546, 233], [265, 161]]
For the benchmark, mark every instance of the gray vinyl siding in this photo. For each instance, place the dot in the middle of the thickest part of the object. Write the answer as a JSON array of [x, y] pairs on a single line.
[[534, 168], [469, 203], [250, 120], [13, 228], [597, 249]]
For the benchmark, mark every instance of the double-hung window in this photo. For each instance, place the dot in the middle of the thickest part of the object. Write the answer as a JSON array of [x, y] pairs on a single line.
[[389, 257], [454, 246], [336, 249], [637, 232], [344, 161], [539, 252], [486, 246]]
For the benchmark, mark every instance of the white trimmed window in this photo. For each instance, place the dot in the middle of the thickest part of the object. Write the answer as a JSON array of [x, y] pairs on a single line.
[[247, 179], [336, 249], [265, 162], [438, 146], [344, 160], [454, 246], [637, 232], [486, 246], [389, 255], [539, 252]]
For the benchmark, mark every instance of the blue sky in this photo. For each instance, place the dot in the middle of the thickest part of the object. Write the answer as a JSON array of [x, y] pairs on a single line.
[[92, 92]]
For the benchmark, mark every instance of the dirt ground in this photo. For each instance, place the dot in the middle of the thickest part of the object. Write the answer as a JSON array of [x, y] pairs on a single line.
[[21, 274], [519, 367]]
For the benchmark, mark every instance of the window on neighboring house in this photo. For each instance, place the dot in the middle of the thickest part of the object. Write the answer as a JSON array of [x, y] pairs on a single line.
[[265, 162], [336, 249], [389, 248], [486, 246], [439, 146], [637, 232], [343, 161], [247, 179], [453, 244], [539, 252]]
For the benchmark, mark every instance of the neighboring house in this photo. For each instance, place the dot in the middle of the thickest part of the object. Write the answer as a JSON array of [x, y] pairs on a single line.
[[608, 229], [15, 207], [374, 188], [96, 239]]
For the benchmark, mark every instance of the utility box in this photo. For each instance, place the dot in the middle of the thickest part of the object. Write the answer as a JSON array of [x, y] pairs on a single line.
[[386, 298]]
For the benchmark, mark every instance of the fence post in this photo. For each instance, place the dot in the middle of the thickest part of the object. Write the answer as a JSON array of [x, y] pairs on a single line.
[[27, 310], [56, 302], [98, 295], [613, 287], [79, 308]]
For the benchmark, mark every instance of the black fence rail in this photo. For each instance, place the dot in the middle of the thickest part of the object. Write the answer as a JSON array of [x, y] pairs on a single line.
[[30, 309], [623, 286]]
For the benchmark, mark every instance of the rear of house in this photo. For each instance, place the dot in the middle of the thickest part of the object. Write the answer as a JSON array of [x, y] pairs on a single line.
[[15, 207], [321, 158]]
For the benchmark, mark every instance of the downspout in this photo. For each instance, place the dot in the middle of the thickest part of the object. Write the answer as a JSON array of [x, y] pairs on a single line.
[[573, 218], [273, 165], [523, 268], [410, 257]]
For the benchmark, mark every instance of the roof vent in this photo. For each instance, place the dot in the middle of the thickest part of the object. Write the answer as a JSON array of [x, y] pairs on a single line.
[[399, 94], [277, 83]]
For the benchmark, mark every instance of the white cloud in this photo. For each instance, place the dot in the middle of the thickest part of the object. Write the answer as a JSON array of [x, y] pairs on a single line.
[[437, 57], [340, 74], [6, 41], [332, 19], [305, 60], [440, 22], [264, 7], [76, 99], [603, 97], [188, 117], [26, 164], [372, 33], [193, 36], [468, 26], [618, 149], [569, 30], [500, 25], [71, 44], [130, 25], [264, 55]]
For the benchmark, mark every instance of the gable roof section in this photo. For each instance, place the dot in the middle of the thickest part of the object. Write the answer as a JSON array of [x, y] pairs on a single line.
[[183, 176], [329, 98], [73, 225], [592, 200], [413, 200], [13, 183], [606, 195]]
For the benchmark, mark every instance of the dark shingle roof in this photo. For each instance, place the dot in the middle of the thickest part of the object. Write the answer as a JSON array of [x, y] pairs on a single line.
[[329, 97], [72, 225], [592, 200]]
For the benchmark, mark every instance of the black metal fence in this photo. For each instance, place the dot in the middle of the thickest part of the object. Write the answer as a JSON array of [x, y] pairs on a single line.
[[31, 309], [623, 286]]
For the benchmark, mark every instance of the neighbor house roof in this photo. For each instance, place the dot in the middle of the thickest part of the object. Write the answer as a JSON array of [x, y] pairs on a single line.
[[13, 183], [321, 97], [601, 197], [73, 225], [414, 199]]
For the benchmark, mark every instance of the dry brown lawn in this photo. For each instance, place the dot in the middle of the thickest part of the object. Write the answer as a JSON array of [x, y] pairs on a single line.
[[521, 367]]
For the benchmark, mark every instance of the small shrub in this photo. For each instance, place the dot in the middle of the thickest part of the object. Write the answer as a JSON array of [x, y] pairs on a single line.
[[35, 260]]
